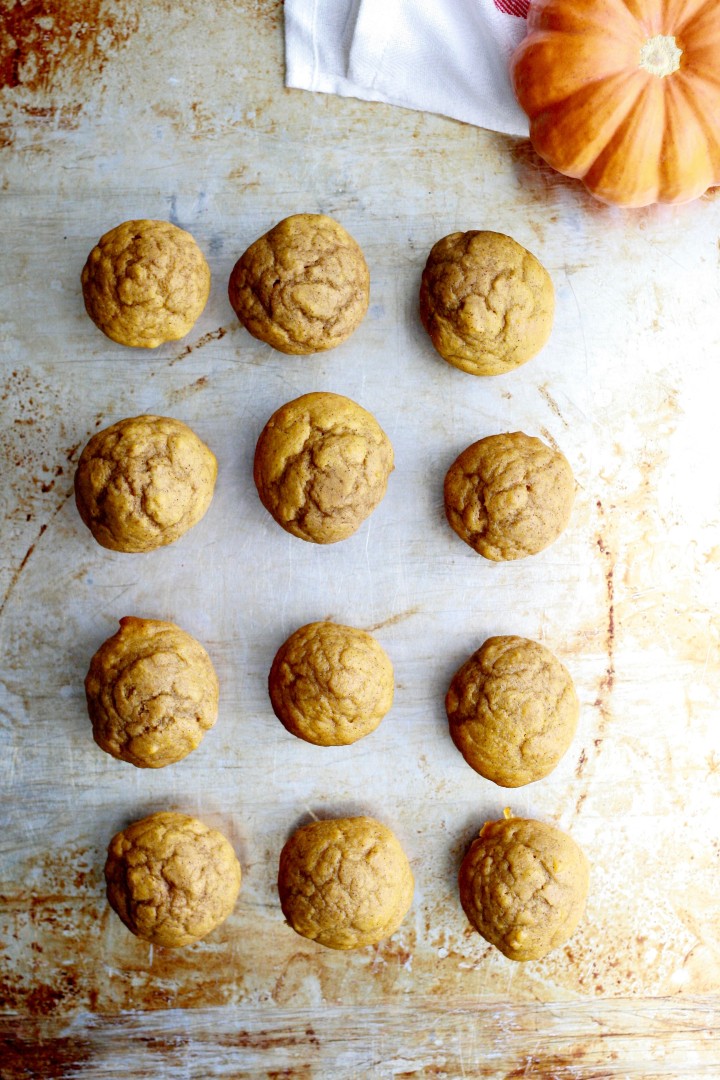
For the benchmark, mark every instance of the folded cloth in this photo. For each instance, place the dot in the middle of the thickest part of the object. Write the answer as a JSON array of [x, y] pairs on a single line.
[[441, 56]]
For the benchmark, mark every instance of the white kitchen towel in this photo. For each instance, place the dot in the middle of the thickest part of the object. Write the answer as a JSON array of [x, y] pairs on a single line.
[[441, 56]]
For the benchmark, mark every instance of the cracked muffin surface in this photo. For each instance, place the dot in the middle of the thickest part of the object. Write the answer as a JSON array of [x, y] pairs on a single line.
[[512, 710], [344, 883], [509, 495], [330, 684], [171, 878], [487, 303], [145, 282], [303, 287], [151, 692], [523, 886], [143, 482], [321, 466]]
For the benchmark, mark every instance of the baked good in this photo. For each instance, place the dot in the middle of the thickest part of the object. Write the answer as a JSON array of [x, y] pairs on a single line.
[[512, 710], [171, 878], [509, 495], [143, 482], [152, 693], [321, 466], [145, 282], [344, 883], [331, 684], [486, 302], [523, 886], [303, 287]]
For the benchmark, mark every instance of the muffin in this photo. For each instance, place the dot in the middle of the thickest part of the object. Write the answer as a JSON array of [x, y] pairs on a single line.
[[344, 883], [145, 282], [321, 466], [143, 482], [171, 879], [523, 886], [331, 685], [512, 710], [509, 496], [152, 693], [303, 287], [486, 302]]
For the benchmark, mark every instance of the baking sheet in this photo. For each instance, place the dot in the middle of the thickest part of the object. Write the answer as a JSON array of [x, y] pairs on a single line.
[[140, 115]]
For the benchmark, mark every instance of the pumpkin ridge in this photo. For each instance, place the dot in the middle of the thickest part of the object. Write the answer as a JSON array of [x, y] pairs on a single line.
[[704, 114], [684, 156], [706, 74], [546, 124], [687, 20], [540, 21], [615, 162], [697, 38], [548, 50], [649, 22]]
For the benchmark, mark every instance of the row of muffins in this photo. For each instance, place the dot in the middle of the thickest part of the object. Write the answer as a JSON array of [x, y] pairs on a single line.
[[346, 882], [303, 287], [321, 467], [152, 694]]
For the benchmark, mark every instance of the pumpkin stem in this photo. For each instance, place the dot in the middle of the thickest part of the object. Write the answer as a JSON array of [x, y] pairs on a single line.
[[660, 55]]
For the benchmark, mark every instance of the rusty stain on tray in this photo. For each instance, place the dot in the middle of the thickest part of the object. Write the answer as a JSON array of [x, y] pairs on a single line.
[[34, 1057], [212, 335], [30, 443], [393, 620], [43, 40], [607, 682], [183, 392], [41, 477], [45, 48], [550, 438], [552, 403]]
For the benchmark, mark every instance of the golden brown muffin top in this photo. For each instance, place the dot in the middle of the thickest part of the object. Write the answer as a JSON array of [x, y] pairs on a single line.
[[344, 883], [303, 287], [330, 684], [152, 693], [487, 303], [321, 466], [523, 886], [509, 495], [512, 710], [145, 282], [143, 482], [171, 878]]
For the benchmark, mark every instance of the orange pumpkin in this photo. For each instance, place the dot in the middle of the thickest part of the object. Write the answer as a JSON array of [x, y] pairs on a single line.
[[625, 95]]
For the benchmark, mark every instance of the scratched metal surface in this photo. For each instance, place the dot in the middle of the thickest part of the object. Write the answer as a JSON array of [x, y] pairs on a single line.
[[113, 109]]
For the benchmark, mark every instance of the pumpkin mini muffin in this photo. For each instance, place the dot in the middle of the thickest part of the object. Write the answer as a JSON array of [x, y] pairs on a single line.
[[486, 302], [321, 466], [145, 282], [331, 684], [303, 287], [523, 886], [143, 482], [512, 710], [344, 883], [152, 693], [171, 879], [509, 496]]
